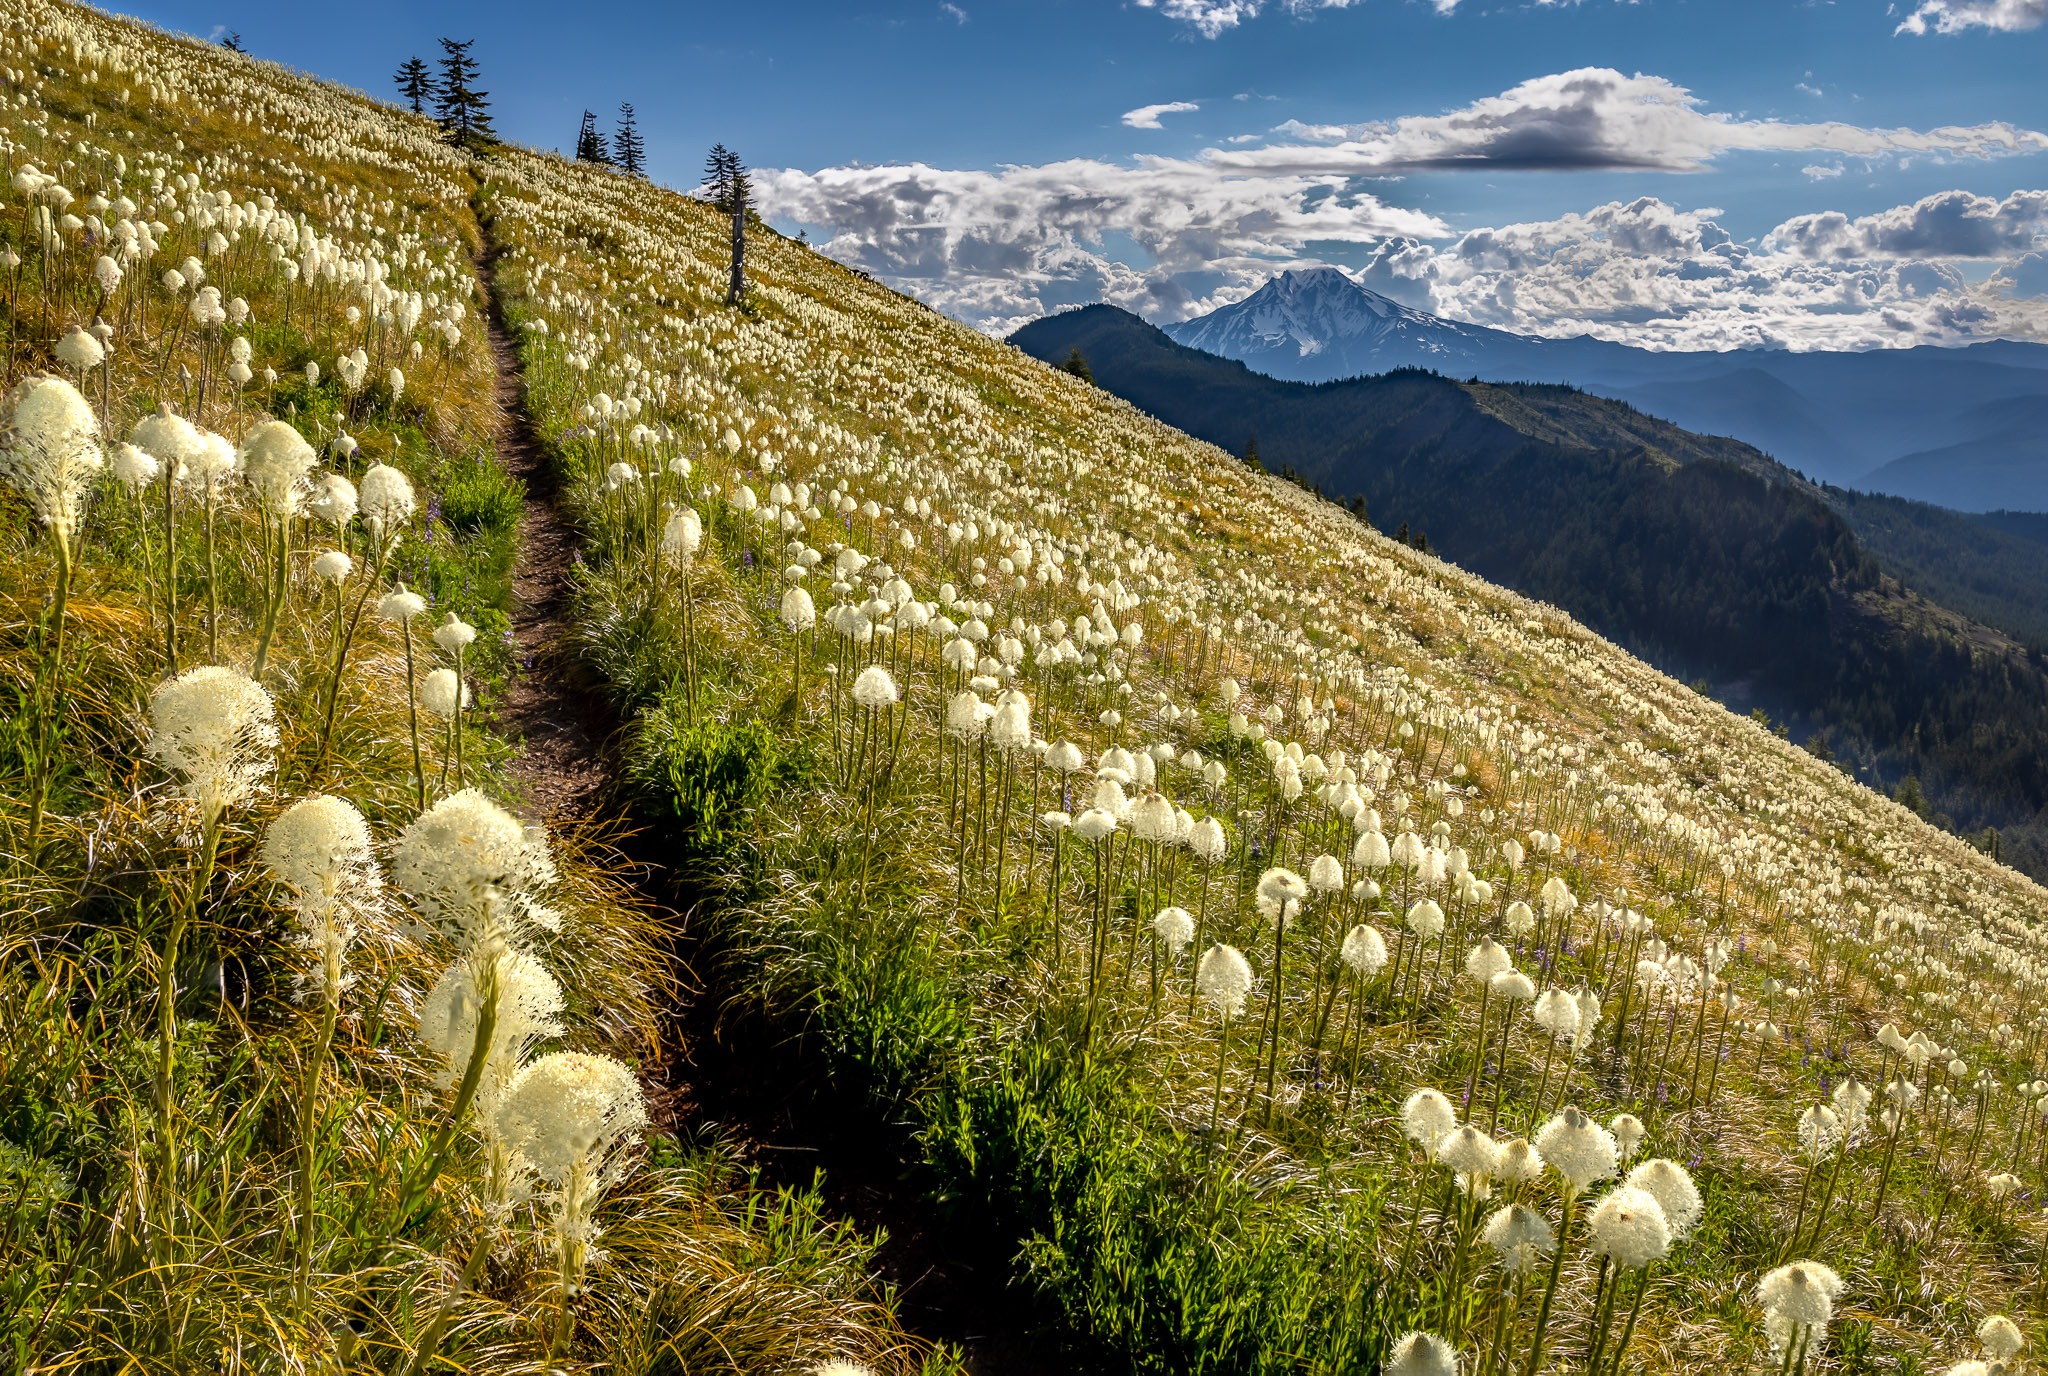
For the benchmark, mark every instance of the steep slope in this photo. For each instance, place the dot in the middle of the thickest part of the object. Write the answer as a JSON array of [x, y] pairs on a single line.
[[1695, 551], [916, 701], [928, 656], [274, 949]]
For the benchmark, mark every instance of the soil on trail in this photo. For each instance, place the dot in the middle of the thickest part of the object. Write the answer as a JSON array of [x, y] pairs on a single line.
[[563, 767], [950, 1278]]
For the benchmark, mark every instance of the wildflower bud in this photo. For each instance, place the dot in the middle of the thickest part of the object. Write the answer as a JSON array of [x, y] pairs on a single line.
[[402, 605], [454, 634]]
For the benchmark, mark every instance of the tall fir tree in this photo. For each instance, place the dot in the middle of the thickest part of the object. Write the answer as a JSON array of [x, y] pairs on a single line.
[[590, 145], [464, 111], [628, 149], [415, 84], [718, 177]]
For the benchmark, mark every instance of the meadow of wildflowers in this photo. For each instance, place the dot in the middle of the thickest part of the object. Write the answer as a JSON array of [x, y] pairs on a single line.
[[1302, 955], [322, 1047]]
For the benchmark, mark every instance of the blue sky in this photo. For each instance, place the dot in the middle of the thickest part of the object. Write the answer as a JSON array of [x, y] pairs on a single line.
[[1651, 171]]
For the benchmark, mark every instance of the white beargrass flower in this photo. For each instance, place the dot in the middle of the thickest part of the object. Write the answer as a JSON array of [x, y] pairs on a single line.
[[574, 1117], [319, 848], [1520, 1163], [1426, 919], [2000, 1338], [52, 451], [78, 349], [454, 634], [443, 693], [208, 462], [275, 460], [1798, 1300], [1487, 959], [798, 612], [1628, 1133], [1364, 950], [1175, 928], [472, 870], [1628, 1225], [133, 467], [1208, 841], [874, 689], [334, 566], [1094, 824], [1421, 1354], [1520, 1237], [1473, 1156], [681, 536], [1578, 1149], [1280, 894], [1671, 1185], [1224, 976], [1427, 1118], [529, 1002], [170, 439], [216, 729], [1152, 819], [334, 500], [386, 500], [401, 606]]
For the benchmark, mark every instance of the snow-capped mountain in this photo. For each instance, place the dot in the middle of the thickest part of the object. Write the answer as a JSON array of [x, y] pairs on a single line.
[[1316, 323]]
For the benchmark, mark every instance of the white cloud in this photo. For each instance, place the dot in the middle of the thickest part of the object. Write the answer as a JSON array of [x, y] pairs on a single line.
[[1951, 224], [1213, 17], [952, 11], [1174, 237], [1650, 274], [1147, 116], [1000, 247], [1954, 16], [1597, 119]]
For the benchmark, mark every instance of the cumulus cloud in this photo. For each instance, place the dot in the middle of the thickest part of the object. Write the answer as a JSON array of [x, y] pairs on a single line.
[[1954, 16], [1147, 116], [1001, 247], [1595, 119], [1951, 224], [1648, 273], [1175, 237]]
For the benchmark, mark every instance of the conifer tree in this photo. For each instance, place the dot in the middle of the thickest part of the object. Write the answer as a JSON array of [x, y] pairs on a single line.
[[590, 146], [463, 110], [628, 150], [1077, 364], [415, 84], [233, 42]]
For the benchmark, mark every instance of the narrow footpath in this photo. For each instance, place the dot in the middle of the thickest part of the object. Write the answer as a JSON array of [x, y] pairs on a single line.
[[564, 772], [563, 769]]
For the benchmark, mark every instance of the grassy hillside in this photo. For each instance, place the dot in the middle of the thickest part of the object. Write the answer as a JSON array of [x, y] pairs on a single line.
[[1840, 616], [945, 927], [968, 709], [260, 886]]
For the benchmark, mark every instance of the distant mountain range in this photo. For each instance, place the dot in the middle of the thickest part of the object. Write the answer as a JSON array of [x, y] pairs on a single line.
[[1910, 638], [1962, 428]]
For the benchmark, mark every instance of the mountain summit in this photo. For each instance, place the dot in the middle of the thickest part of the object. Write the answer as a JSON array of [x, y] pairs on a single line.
[[1331, 325]]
